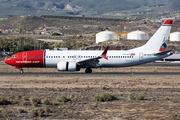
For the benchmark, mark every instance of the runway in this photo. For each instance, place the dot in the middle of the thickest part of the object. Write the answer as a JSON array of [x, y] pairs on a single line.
[[60, 74], [147, 64]]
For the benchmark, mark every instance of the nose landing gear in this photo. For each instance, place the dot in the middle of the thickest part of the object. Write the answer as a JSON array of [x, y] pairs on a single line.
[[21, 70]]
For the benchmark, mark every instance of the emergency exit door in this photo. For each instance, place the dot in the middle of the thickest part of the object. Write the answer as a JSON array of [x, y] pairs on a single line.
[[141, 57]]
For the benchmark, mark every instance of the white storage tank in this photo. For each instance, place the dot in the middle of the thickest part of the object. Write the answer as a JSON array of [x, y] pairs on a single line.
[[138, 35], [175, 36], [105, 35]]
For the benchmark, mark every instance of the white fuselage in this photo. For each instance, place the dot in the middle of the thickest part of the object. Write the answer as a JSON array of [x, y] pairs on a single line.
[[116, 58]]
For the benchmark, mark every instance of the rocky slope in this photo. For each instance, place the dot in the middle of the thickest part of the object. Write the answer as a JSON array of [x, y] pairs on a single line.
[[11, 8]]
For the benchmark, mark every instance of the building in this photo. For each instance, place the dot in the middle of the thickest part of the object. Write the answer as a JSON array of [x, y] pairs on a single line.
[[106, 35], [175, 36], [138, 35]]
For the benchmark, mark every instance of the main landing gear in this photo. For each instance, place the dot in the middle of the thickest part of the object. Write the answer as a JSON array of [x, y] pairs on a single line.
[[88, 70]]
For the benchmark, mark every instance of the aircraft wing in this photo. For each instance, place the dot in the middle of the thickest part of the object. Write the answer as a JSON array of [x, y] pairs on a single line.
[[93, 62], [163, 52]]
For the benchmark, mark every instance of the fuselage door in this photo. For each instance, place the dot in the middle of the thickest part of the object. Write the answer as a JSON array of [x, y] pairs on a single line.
[[141, 57], [24, 57]]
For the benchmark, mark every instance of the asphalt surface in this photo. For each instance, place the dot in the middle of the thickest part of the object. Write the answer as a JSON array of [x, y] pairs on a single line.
[[147, 64], [60, 74]]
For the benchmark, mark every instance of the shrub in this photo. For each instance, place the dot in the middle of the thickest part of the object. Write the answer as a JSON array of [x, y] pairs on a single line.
[[72, 96], [34, 103], [20, 110], [36, 112], [130, 96], [104, 97], [24, 103], [62, 98], [40, 112], [103, 87], [14, 101], [140, 97], [19, 96], [34, 99], [5, 113], [121, 94], [45, 101], [3, 101]]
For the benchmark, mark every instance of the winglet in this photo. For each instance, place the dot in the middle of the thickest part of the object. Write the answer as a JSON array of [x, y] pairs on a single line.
[[104, 53]]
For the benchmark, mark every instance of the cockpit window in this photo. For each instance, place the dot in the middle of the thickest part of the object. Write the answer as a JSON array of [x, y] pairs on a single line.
[[14, 56]]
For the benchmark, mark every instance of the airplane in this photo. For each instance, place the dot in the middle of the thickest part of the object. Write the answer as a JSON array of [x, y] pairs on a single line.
[[74, 60]]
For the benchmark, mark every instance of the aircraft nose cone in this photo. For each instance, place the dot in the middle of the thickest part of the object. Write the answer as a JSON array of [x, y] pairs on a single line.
[[7, 60]]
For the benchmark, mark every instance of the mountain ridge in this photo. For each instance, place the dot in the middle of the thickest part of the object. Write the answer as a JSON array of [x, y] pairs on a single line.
[[77, 7]]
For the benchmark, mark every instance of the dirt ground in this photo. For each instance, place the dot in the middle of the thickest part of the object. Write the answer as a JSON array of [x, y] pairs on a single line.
[[162, 98]]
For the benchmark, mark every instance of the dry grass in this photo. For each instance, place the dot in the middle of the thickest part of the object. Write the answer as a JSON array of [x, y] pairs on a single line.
[[83, 106]]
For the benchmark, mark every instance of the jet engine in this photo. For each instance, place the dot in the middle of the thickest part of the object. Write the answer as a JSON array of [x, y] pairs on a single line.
[[67, 66]]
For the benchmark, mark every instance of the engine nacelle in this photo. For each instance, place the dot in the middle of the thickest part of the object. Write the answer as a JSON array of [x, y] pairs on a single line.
[[67, 66]]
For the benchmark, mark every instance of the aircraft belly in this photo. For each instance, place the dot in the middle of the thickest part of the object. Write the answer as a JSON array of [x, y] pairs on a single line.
[[118, 63]]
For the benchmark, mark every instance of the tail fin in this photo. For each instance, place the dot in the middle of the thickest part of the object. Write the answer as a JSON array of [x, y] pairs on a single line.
[[158, 41]]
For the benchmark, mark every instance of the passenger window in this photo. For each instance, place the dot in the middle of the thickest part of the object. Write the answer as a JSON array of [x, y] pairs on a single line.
[[63, 56], [58, 56]]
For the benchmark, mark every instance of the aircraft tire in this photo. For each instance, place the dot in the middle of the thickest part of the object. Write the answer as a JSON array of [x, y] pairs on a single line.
[[88, 70]]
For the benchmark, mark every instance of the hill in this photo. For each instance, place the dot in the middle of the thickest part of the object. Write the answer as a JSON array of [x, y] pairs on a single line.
[[173, 6], [11, 8]]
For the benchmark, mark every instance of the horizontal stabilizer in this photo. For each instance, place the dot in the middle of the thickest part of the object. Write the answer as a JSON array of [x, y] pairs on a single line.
[[163, 52]]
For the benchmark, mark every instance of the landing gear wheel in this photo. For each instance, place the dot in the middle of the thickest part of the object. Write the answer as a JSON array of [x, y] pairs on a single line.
[[21, 71], [88, 70]]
